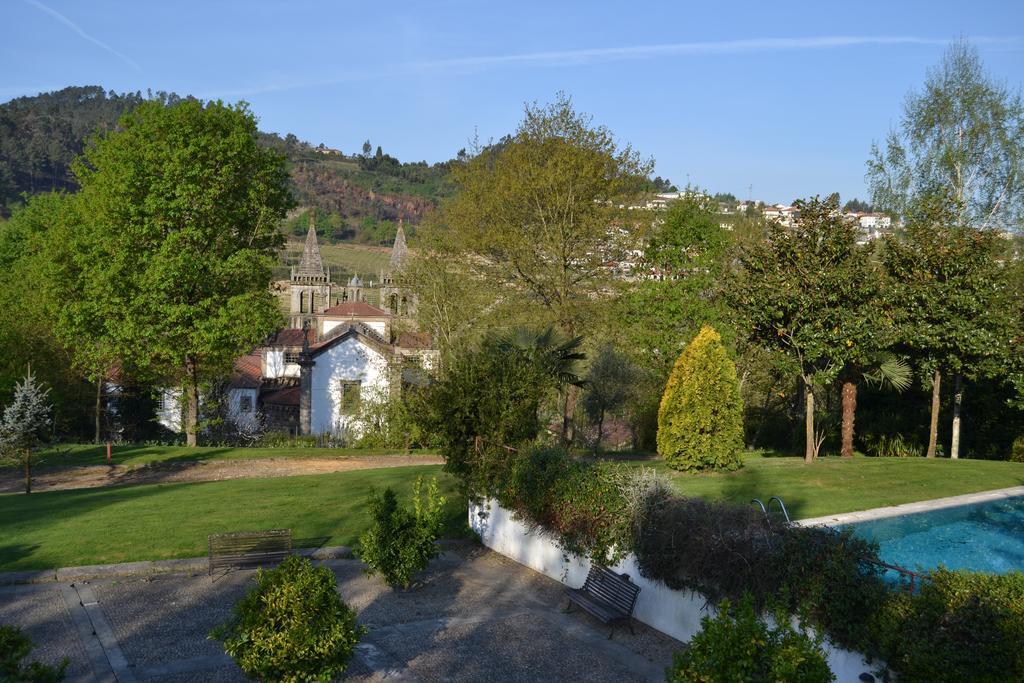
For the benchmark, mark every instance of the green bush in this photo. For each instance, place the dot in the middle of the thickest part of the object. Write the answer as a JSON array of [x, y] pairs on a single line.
[[489, 398], [15, 646], [700, 422], [737, 647], [402, 542], [293, 626], [895, 446], [585, 505], [961, 626], [284, 440], [1017, 450]]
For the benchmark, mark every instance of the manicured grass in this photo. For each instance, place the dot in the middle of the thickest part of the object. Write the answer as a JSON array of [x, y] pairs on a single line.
[[166, 521], [134, 455], [832, 485]]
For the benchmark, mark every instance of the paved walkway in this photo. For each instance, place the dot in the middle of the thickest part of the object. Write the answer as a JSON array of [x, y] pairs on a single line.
[[474, 616]]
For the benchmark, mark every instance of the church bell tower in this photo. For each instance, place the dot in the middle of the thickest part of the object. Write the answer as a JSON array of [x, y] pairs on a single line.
[[310, 287]]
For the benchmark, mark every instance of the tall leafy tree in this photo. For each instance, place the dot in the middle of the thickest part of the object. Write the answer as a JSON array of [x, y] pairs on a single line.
[[180, 209], [539, 211], [26, 310], [811, 292], [540, 214], [948, 299], [962, 135], [685, 255]]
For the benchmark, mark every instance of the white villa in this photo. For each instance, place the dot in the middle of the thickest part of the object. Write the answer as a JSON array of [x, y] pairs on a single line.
[[314, 376]]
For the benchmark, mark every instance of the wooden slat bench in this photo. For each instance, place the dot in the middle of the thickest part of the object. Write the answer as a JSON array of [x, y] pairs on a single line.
[[249, 548], [608, 596]]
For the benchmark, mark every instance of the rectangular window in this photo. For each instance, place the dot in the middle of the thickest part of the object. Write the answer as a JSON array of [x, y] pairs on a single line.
[[245, 404], [291, 358], [349, 396]]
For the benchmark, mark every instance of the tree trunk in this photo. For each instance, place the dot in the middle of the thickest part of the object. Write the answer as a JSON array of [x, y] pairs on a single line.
[[809, 421], [28, 472], [568, 432], [192, 404], [933, 430], [600, 430], [849, 412], [99, 410], [958, 398]]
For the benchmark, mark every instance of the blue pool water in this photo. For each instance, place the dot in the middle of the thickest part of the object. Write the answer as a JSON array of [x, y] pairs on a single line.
[[984, 537]]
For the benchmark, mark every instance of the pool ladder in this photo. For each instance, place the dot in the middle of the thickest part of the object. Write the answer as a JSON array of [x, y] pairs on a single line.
[[766, 508]]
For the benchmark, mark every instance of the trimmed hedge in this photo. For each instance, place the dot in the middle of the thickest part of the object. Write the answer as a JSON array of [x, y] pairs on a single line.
[[700, 421]]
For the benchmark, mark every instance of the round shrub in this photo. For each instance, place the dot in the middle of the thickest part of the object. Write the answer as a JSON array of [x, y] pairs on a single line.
[[293, 626], [737, 647], [700, 422]]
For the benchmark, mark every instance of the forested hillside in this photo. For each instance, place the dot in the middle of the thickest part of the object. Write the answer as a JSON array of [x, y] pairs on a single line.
[[358, 196]]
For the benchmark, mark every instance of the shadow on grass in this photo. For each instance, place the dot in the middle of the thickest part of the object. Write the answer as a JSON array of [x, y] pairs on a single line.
[[743, 486]]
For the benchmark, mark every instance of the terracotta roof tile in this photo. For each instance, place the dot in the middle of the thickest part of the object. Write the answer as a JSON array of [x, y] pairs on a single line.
[[288, 396], [248, 372], [289, 337], [357, 309], [413, 340]]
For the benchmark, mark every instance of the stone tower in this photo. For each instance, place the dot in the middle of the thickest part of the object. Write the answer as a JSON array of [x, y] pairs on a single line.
[[355, 290], [310, 284], [392, 297]]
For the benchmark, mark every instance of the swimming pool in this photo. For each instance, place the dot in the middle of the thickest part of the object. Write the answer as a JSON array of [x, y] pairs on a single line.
[[985, 536]]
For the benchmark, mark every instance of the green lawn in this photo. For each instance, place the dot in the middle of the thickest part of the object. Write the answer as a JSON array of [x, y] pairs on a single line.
[[162, 521], [165, 521], [134, 455], [832, 485]]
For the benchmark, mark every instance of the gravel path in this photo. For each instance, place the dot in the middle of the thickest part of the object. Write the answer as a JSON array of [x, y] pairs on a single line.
[[474, 615], [93, 476]]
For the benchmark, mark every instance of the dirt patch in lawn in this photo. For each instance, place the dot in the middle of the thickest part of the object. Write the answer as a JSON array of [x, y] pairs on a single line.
[[93, 476]]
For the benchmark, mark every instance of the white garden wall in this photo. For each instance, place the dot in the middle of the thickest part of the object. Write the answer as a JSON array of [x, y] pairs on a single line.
[[675, 613]]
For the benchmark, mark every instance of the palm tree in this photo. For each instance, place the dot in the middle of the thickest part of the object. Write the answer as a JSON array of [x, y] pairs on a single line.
[[558, 357], [886, 371]]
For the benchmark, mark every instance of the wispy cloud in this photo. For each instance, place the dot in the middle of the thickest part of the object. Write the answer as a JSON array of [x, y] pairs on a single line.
[[78, 29], [582, 57]]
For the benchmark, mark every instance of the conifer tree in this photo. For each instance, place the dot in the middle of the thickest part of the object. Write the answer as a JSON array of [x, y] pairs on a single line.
[[23, 423], [700, 422]]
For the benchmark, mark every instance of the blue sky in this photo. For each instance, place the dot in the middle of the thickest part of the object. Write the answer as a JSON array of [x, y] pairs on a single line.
[[784, 96]]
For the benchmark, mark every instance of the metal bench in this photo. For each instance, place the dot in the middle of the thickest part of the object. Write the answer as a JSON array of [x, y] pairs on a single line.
[[608, 596], [242, 549]]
